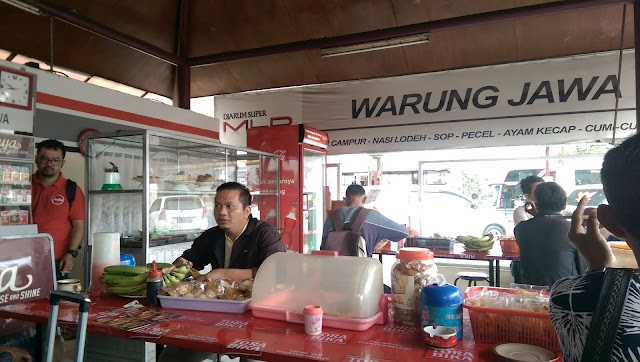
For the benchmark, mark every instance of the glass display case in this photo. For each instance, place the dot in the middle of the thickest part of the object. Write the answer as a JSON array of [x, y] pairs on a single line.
[[16, 168], [157, 190]]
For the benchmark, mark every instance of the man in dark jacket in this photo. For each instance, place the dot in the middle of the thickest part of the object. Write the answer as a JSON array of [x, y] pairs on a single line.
[[546, 253], [239, 244]]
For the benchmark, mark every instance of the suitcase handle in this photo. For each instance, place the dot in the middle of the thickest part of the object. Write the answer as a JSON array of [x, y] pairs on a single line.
[[83, 307]]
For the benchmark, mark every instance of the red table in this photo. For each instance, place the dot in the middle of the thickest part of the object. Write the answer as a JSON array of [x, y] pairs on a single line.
[[266, 339], [493, 255]]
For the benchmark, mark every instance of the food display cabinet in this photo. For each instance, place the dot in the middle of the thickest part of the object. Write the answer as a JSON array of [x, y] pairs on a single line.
[[157, 190]]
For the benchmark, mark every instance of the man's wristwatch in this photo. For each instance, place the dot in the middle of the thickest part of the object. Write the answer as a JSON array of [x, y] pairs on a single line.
[[74, 253]]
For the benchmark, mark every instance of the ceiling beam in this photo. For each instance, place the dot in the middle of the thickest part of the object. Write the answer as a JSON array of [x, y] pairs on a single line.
[[182, 79], [520, 13], [109, 33]]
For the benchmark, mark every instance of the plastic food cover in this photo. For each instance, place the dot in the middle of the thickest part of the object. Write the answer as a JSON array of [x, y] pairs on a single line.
[[344, 286]]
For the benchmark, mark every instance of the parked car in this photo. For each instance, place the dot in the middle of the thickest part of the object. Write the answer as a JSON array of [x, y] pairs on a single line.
[[183, 212], [443, 212]]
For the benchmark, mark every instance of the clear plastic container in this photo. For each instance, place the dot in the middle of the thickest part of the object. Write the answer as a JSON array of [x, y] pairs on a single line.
[[344, 286], [414, 268]]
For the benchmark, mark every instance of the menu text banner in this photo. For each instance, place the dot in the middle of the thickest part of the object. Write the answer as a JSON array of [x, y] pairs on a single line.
[[553, 101]]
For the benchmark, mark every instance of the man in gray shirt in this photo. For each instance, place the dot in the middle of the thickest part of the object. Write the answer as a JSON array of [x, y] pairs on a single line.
[[376, 226]]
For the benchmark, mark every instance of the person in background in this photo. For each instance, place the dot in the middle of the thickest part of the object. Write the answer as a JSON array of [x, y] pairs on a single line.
[[376, 226], [374, 230], [235, 249], [573, 300], [546, 253], [239, 244], [51, 210], [528, 186]]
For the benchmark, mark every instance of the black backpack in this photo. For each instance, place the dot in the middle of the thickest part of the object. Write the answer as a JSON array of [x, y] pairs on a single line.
[[346, 238], [71, 191]]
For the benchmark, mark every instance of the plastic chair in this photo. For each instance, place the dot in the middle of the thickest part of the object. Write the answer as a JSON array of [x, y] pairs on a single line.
[[472, 277]]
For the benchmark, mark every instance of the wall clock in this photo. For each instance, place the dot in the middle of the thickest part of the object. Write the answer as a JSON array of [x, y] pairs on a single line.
[[82, 139], [16, 89]]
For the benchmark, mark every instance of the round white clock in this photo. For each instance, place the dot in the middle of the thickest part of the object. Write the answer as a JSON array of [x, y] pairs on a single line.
[[15, 89]]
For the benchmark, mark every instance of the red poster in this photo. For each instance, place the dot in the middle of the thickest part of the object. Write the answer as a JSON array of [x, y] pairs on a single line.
[[282, 141]]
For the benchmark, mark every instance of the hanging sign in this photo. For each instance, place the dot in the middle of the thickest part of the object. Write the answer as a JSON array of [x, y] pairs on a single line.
[[553, 101], [314, 137]]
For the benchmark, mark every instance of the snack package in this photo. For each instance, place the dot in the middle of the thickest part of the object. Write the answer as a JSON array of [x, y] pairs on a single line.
[[523, 300], [210, 289]]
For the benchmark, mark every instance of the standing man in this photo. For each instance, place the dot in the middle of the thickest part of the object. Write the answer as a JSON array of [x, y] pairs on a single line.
[[376, 226], [52, 212], [239, 244]]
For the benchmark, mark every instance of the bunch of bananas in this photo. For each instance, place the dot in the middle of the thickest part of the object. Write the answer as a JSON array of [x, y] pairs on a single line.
[[175, 276], [125, 279], [132, 280], [473, 243]]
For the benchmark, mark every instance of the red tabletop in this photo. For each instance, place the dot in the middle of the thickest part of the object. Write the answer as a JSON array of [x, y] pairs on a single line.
[[242, 334]]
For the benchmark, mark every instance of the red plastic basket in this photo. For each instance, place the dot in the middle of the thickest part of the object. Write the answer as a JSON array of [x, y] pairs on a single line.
[[509, 246], [492, 325]]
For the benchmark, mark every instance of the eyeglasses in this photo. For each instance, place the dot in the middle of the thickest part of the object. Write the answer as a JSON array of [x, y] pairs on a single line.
[[54, 161]]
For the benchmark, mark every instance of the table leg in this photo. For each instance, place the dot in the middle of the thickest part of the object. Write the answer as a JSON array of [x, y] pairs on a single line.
[[491, 275], [380, 257], [497, 272]]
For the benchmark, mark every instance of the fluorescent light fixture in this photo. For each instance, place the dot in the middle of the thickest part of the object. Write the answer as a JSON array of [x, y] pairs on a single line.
[[375, 45], [26, 7]]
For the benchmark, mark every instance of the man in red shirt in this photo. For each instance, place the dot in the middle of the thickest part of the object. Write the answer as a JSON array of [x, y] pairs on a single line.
[[51, 210]]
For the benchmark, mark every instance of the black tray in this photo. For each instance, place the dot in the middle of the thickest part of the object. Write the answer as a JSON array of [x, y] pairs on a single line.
[[431, 243]]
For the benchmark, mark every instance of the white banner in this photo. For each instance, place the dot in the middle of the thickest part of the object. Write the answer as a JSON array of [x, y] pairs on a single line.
[[552, 101]]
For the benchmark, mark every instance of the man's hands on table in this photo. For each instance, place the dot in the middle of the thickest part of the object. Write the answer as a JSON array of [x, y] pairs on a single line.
[[182, 261]]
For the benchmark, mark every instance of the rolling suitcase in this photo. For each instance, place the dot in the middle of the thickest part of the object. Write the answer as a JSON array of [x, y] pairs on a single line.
[[83, 315]]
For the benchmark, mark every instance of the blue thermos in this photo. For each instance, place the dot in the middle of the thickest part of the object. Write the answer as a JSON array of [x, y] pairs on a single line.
[[441, 305]]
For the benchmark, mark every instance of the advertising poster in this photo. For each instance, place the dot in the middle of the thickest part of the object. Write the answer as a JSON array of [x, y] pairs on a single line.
[[282, 141]]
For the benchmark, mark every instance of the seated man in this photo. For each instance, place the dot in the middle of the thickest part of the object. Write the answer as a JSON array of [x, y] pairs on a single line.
[[239, 244], [546, 253], [376, 226], [235, 249], [528, 186], [573, 300]]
